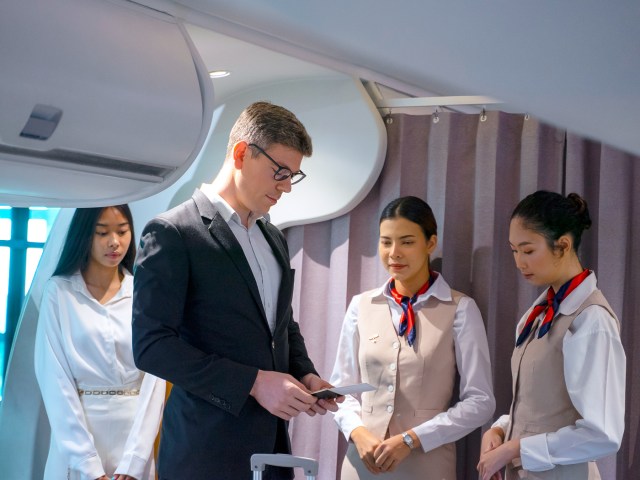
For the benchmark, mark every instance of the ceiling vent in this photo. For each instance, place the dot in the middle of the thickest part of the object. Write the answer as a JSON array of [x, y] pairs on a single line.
[[101, 102]]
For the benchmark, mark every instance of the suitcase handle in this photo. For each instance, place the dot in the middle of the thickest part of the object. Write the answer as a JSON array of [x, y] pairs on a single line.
[[259, 460]]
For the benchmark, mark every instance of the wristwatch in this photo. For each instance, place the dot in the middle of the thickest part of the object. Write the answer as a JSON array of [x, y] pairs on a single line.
[[408, 441]]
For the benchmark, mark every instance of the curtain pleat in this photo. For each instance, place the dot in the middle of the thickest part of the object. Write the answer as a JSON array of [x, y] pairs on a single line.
[[609, 180], [472, 171]]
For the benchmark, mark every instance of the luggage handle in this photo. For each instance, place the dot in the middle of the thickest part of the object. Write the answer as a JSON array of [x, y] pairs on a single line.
[[259, 460]]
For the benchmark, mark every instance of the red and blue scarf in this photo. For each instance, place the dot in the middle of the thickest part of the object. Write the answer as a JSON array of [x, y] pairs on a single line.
[[407, 320], [551, 305]]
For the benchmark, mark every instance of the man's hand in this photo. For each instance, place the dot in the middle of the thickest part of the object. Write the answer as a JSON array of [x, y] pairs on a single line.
[[119, 476], [281, 394], [315, 383], [366, 443]]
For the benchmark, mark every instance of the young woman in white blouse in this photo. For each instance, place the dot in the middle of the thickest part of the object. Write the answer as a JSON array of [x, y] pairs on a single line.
[[104, 413], [568, 365], [408, 338]]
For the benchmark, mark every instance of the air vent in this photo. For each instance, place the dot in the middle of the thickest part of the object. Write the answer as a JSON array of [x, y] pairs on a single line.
[[82, 162], [42, 122]]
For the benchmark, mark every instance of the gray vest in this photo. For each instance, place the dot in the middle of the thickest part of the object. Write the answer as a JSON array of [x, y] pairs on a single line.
[[541, 402], [414, 384]]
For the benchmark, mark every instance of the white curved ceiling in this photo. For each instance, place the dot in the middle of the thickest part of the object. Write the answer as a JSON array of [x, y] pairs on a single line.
[[575, 64]]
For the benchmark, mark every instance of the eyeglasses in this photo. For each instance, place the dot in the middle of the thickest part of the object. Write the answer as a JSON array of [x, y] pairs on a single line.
[[282, 173]]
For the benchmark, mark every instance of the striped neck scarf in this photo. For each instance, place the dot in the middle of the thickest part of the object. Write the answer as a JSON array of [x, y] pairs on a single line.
[[551, 305], [407, 320]]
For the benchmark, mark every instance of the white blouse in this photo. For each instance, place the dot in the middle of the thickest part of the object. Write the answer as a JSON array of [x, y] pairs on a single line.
[[477, 403], [81, 344], [595, 374]]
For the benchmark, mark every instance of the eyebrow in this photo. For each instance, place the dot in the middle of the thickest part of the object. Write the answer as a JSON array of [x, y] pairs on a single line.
[[521, 244], [106, 225], [277, 162], [402, 237]]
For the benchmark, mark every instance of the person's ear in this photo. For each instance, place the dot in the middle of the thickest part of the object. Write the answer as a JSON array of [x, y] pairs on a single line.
[[564, 244], [240, 149], [432, 243]]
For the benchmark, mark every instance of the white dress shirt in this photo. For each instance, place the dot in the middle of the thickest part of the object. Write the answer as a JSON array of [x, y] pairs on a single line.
[[81, 344], [595, 373], [477, 403]]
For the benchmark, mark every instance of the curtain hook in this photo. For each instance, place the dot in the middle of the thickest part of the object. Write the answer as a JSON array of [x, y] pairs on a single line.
[[526, 116], [483, 115], [388, 119], [436, 118]]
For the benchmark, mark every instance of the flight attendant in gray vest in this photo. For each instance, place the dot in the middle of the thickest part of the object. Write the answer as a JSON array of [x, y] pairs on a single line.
[[568, 365], [408, 338]]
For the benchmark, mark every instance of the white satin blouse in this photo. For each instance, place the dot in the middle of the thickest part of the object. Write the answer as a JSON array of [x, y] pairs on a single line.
[[81, 344]]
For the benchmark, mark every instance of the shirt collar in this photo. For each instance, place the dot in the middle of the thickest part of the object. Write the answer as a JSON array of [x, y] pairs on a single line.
[[126, 288], [226, 211], [576, 298], [440, 290]]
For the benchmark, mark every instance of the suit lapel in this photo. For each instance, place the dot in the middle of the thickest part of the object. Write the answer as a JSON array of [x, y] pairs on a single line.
[[286, 284], [221, 232], [276, 245]]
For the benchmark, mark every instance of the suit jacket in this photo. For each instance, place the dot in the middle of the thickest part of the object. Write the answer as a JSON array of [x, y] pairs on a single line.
[[198, 322]]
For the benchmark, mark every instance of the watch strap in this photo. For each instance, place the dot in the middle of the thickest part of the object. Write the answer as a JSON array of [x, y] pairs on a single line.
[[408, 441]]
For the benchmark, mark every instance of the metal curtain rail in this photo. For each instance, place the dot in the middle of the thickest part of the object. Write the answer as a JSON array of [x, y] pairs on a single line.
[[435, 101], [373, 89]]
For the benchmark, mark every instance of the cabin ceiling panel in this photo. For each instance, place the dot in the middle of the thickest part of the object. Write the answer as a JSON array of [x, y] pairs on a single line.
[[573, 64], [109, 88]]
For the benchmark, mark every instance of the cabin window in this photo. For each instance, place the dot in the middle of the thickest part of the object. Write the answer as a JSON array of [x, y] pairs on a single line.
[[23, 233]]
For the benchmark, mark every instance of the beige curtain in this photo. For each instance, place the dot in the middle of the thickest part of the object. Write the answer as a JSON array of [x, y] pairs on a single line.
[[472, 170]]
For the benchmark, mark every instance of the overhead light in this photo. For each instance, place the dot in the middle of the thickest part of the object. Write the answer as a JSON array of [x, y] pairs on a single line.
[[219, 73]]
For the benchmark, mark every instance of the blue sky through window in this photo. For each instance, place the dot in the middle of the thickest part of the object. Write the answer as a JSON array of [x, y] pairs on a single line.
[[37, 228]]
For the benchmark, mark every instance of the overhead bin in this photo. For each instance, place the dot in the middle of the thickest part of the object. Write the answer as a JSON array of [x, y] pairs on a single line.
[[101, 101]]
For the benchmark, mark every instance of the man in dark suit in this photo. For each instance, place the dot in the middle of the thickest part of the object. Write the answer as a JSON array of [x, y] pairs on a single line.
[[212, 310]]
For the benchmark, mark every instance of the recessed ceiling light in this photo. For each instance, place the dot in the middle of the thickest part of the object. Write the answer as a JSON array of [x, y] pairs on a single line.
[[219, 73]]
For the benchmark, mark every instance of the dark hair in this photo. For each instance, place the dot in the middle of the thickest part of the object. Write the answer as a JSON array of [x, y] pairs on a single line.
[[77, 245], [553, 215], [264, 124], [413, 209]]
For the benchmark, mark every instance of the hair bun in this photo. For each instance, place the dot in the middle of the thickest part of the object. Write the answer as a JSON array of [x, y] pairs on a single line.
[[581, 209]]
